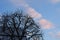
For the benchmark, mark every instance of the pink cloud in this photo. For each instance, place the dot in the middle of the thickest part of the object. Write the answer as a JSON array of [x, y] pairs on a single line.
[[55, 35], [45, 24], [58, 35], [32, 12], [55, 1]]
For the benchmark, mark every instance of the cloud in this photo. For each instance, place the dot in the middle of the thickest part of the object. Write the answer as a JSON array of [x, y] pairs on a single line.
[[58, 35], [55, 1], [45, 24], [55, 35], [19, 3], [32, 12], [29, 10]]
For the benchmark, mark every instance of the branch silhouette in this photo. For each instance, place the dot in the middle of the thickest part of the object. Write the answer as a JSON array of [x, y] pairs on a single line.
[[17, 26]]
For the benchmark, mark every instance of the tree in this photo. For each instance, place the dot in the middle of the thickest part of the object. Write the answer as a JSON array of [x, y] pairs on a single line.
[[17, 26]]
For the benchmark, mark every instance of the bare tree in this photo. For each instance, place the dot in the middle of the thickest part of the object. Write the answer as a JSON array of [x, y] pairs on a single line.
[[17, 26]]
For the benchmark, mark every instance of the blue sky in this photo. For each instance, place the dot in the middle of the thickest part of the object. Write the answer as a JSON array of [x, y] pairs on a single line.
[[47, 10]]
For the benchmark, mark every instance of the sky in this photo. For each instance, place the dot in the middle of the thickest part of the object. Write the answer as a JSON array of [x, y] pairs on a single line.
[[45, 12]]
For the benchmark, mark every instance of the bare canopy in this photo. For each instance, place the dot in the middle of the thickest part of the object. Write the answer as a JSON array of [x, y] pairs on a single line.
[[17, 26]]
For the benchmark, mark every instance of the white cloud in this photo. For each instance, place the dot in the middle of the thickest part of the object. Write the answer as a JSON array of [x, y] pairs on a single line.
[[32, 12]]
